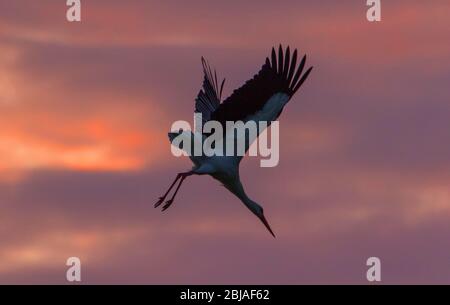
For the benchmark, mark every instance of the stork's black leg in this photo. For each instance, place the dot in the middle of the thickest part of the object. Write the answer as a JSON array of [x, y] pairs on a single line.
[[161, 199], [169, 202]]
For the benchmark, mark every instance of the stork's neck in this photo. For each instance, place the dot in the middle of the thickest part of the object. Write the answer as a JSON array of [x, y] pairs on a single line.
[[237, 189]]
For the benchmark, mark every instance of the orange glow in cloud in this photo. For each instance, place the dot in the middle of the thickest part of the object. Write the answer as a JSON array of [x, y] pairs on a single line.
[[110, 150], [36, 132], [8, 79], [48, 248]]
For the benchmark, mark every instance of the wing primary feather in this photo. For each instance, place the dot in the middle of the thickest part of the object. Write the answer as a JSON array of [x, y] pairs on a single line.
[[298, 73], [280, 59], [215, 81], [208, 99], [274, 60], [211, 79], [207, 72], [292, 67], [302, 80], [287, 61], [221, 89]]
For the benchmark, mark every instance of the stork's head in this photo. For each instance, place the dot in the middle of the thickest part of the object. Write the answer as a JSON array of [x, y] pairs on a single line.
[[259, 211]]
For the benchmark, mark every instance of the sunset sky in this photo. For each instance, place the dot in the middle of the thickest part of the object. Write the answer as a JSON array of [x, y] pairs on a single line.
[[364, 149]]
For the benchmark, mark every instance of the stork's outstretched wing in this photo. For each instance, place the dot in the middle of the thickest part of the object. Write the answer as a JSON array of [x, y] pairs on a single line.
[[280, 75], [209, 97]]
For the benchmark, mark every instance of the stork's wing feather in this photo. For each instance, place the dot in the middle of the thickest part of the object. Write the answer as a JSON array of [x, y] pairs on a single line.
[[275, 76], [208, 99]]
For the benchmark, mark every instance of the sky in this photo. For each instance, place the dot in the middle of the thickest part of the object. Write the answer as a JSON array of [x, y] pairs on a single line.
[[364, 153]]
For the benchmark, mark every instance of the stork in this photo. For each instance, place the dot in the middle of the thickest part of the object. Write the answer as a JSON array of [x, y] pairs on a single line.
[[261, 98]]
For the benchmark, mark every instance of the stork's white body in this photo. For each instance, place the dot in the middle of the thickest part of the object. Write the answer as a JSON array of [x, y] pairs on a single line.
[[226, 168]]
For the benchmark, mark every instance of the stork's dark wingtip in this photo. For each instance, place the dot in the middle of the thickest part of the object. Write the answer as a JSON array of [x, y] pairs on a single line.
[[303, 60], [204, 64], [308, 71], [274, 59]]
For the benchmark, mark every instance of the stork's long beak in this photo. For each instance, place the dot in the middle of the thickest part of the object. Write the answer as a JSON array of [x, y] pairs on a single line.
[[264, 221]]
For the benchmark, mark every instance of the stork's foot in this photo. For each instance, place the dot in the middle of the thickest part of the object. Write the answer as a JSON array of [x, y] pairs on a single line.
[[168, 203], [160, 200]]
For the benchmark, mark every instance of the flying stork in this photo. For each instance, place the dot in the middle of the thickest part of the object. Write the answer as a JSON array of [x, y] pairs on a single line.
[[261, 98]]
